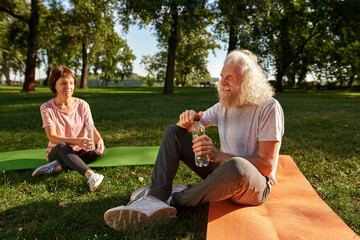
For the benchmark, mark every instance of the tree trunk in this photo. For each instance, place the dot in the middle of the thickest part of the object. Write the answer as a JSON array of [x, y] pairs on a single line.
[[29, 84], [170, 67], [183, 80], [351, 80], [106, 77], [280, 72], [48, 70], [84, 70], [6, 67], [232, 38], [302, 75], [279, 78]]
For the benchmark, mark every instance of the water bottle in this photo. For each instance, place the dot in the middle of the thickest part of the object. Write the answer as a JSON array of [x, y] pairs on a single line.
[[198, 130], [89, 133]]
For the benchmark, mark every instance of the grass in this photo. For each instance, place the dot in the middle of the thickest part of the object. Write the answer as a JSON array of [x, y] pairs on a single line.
[[322, 134]]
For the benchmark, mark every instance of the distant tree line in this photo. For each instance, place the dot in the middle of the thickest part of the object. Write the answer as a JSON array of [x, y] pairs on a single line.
[[294, 38]]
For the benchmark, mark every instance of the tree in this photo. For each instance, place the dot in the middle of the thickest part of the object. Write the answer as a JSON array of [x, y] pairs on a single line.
[[192, 52], [168, 17], [5, 53], [329, 45], [343, 57], [58, 39], [114, 59], [32, 41], [239, 22], [291, 26], [12, 45], [91, 21], [32, 44], [154, 69]]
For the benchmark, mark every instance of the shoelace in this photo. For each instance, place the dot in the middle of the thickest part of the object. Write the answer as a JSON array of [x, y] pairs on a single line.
[[51, 167], [91, 179]]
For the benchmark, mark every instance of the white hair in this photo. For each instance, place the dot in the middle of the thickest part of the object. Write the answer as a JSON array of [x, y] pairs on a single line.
[[254, 88]]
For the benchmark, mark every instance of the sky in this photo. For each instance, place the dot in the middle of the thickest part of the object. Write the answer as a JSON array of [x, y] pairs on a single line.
[[143, 42]]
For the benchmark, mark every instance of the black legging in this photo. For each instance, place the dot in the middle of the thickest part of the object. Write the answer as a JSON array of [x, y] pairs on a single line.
[[77, 161]]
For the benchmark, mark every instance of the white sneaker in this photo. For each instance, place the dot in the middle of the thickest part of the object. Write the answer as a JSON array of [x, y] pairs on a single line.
[[140, 192], [142, 213], [46, 169], [94, 181], [178, 188]]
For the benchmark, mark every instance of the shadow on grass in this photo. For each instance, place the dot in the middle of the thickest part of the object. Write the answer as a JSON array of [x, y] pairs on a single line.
[[84, 220], [60, 206]]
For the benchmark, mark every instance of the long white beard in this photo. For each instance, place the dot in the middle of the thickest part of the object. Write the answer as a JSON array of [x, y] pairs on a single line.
[[230, 101]]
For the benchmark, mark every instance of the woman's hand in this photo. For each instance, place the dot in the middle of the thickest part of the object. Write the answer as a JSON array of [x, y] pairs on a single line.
[[203, 145], [186, 119], [84, 143], [99, 146]]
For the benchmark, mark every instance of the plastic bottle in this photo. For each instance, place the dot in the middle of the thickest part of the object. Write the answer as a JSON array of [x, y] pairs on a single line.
[[198, 130], [89, 133]]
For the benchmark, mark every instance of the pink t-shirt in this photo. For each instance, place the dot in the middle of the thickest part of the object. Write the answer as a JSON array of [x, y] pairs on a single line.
[[68, 124]]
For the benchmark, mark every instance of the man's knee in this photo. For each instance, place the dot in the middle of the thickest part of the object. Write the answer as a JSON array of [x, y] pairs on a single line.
[[174, 130], [171, 129], [251, 184], [238, 168]]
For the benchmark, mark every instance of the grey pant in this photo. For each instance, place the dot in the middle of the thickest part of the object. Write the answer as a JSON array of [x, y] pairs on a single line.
[[68, 158], [236, 179]]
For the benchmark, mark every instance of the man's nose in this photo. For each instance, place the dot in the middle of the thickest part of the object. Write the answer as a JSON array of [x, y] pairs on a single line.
[[223, 81]]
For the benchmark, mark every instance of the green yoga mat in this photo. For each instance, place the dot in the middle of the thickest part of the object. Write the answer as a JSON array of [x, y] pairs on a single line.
[[116, 156]]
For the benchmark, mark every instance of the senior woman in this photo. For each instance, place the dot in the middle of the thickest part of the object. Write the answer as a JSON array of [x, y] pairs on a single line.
[[64, 120]]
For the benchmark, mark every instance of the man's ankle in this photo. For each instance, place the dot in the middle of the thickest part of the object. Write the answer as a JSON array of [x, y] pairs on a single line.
[[154, 197], [169, 201]]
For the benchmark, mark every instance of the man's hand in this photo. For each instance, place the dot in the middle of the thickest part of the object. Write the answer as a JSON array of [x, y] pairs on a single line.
[[187, 119], [203, 145]]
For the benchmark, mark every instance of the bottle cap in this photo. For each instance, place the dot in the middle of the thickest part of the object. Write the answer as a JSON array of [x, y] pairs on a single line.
[[87, 124], [196, 119]]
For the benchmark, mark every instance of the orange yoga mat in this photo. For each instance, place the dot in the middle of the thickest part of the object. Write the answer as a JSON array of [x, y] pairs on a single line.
[[293, 211]]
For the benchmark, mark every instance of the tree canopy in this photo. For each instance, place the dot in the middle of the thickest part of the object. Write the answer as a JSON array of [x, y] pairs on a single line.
[[169, 19], [291, 38], [72, 35]]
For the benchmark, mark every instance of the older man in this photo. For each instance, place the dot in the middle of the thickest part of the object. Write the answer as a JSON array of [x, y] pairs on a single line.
[[251, 125]]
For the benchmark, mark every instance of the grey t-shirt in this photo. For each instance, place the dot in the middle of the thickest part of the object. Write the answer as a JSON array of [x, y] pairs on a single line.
[[240, 129]]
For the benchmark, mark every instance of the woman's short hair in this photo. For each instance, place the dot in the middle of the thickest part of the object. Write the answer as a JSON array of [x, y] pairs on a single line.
[[59, 72]]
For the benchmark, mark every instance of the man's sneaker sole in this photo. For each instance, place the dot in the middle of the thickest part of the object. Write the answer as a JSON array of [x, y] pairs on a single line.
[[133, 219]]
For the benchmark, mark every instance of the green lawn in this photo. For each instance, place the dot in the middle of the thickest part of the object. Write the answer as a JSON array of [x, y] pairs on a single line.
[[322, 134]]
